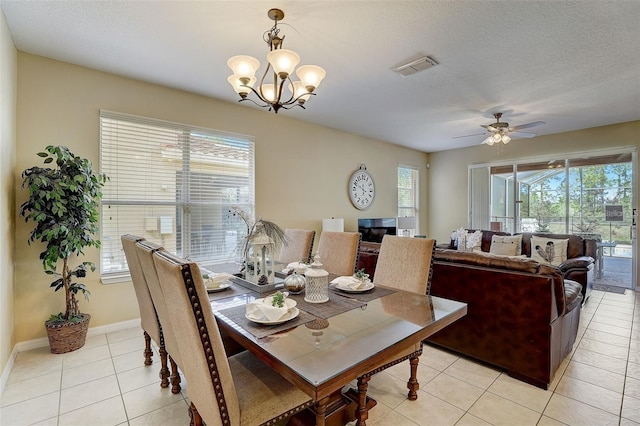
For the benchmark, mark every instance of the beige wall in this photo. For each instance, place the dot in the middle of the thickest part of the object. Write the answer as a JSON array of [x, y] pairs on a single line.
[[448, 173], [301, 169], [8, 80]]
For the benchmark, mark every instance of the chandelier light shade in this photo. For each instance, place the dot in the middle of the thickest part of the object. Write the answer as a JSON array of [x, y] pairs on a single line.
[[272, 92]]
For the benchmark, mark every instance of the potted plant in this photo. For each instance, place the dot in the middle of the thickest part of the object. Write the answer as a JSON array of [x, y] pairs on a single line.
[[64, 204]]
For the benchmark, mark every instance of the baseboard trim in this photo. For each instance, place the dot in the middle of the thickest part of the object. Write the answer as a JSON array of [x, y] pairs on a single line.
[[43, 341]]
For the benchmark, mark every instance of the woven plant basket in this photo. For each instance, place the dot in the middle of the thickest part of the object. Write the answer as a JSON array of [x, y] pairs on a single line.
[[68, 336]]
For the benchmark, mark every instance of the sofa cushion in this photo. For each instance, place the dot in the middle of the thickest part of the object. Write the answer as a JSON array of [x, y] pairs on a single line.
[[488, 260], [506, 245], [542, 247], [572, 295]]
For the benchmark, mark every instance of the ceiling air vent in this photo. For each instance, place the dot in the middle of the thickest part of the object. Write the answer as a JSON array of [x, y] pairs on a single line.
[[413, 67]]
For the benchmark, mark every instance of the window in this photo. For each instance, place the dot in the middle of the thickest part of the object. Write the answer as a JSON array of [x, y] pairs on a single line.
[[172, 184], [408, 192]]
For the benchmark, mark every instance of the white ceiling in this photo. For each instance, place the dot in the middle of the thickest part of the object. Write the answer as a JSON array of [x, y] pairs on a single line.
[[571, 64]]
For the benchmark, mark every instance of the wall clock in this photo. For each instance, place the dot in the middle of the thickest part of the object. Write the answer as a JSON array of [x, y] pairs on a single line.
[[362, 189]]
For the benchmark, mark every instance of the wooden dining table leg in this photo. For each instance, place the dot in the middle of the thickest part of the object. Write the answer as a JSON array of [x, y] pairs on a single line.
[[413, 384], [362, 412], [321, 410]]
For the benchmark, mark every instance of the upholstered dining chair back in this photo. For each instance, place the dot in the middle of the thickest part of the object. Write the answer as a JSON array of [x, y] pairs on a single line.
[[239, 390], [405, 263], [299, 243], [148, 317], [338, 251], [145, 250], [204, 362]]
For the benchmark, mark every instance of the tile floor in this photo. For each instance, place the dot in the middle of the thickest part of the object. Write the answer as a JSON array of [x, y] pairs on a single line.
[[105, 383]]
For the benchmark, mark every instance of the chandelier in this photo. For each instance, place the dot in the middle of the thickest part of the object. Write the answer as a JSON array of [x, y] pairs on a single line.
[[271, 91], [497, 137]]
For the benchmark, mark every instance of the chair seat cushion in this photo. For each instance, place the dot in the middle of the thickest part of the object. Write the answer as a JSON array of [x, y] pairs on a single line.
[[263, 394]]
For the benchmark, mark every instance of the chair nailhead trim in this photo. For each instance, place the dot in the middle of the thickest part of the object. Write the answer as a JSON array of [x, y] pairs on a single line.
[[206, 343]]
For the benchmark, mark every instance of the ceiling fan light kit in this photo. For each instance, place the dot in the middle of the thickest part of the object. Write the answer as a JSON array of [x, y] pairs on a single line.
[[499, 131], [281, 63]]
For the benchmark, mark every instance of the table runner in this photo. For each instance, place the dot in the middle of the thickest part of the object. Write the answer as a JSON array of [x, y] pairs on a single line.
[[237, 315], [335, 306], [376, 293]]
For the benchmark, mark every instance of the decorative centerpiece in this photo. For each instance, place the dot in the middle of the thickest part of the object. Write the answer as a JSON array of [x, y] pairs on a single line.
[[317, 287], [294, 283], [64, 205]]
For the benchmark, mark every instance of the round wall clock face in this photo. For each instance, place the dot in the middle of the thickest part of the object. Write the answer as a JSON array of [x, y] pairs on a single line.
[[362, 189]]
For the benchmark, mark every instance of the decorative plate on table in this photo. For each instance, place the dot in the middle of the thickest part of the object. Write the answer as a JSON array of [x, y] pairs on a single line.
[[348, 289], [225, 285], [291, 314]]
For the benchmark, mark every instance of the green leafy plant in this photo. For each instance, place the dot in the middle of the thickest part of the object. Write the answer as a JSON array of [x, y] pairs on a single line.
[[64, 205], [361, 275], [277, 300]]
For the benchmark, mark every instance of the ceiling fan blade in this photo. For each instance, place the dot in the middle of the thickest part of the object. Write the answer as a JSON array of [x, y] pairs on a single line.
[[468, 136], [489, 127], [528, 125], [522, 134]]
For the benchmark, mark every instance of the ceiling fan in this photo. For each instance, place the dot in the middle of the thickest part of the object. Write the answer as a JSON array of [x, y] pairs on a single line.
[[501, 132]]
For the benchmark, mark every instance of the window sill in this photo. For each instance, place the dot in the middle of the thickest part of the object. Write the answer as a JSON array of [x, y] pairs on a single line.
[[115, 278]]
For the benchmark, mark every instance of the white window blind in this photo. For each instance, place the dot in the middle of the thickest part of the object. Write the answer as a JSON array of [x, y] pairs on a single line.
[[172, 184], [408, 191]]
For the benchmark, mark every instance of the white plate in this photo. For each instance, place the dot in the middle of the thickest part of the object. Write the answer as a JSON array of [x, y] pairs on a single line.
[[347, 289], [225, 285], [291, 314]]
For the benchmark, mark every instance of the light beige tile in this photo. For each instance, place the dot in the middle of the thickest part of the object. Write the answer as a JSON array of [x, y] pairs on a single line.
[[109, 412], [548, 421], [88, 393], [73, 376], [147, 399], [376, 414], [632, 387], [170, 415], [620, 352], [35, 355], [596, 376], [31, 411], [471, 420], [499, 411], [31, 388], [454, 391], [633, 370], [125, 334], [132, 360], [120, 347], [616, 322], [605, 362], [53, 421], [85, 356], [436, 358], [37, 366], [615, 314], [387, 389], [610, 329], [438, 412], [471, 372], [588, 393], [392, 418], [631, 408], [95, 340], [138, 378], [572, 412], [627, 422], [521, 393], [611, 339]]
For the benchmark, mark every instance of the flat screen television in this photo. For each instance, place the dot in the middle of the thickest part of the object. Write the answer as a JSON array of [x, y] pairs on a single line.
[[374, 229]]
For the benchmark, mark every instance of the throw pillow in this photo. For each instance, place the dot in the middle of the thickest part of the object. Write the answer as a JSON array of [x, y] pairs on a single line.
[[476, 238], [549, 251], [506, 245]]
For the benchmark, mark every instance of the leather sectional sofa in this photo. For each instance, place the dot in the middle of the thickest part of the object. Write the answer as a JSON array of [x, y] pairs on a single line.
[[522, 316], [581, 255]]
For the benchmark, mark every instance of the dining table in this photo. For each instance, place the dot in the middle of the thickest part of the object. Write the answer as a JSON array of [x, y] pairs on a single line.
[[324, 347]]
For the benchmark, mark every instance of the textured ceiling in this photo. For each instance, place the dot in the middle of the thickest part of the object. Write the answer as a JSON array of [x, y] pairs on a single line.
[[571, 64]]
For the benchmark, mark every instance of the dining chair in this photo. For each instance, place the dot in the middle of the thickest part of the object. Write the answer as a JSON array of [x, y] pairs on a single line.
[[239, 390], [148, 317], [405, 264], [144, 251], [298, 245], [338, 252]]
